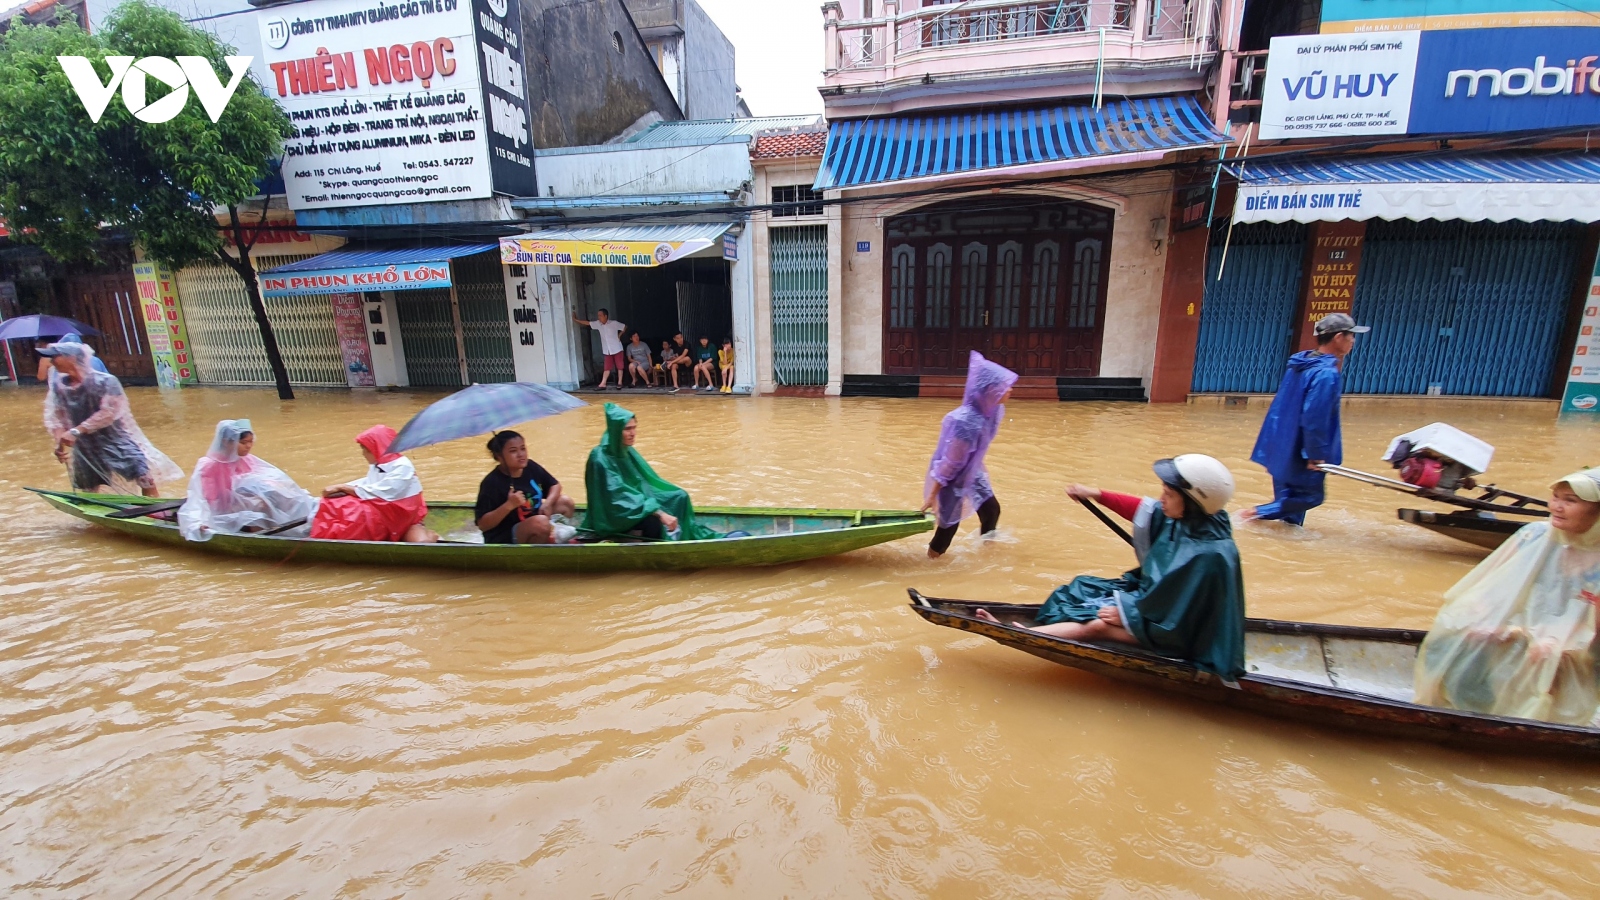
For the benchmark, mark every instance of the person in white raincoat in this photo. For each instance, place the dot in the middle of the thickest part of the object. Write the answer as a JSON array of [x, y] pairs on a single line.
[[1516, 637], [233, 491], [87, 414]]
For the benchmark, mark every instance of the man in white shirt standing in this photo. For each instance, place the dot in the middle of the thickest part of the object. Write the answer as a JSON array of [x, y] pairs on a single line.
[[610, 345]]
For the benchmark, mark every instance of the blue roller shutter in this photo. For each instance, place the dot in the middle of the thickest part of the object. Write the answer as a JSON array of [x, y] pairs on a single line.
[[1246, 318]]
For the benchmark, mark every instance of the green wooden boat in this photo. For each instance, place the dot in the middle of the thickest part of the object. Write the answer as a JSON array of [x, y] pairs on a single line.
[[777, 536]]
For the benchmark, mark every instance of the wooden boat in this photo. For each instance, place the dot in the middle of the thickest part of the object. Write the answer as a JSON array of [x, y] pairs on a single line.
[[777, 536], [1474, 528], [1476, 522], [1329, 675]]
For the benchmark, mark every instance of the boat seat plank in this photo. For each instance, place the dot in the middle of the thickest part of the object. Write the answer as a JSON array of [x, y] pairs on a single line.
[[1371, 667], [1291, 657]]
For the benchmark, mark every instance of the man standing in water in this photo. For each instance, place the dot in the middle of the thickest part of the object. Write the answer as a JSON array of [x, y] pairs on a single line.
[[1301, 431], [87, 414]]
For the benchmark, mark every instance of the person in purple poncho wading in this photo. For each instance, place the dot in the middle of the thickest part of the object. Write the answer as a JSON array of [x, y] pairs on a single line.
[[957, 482]]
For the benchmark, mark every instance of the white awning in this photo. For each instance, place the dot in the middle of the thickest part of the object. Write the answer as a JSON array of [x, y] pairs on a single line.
[[1469, 187]]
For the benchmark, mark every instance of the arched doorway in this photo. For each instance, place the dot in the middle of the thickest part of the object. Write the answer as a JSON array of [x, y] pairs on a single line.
[[1020, 279]]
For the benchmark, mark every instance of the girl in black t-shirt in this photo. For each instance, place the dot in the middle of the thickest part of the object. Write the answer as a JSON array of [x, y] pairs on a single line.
[[517, 499]]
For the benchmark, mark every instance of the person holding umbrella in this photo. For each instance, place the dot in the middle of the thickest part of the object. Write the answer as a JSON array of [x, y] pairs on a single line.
[[87, 414]]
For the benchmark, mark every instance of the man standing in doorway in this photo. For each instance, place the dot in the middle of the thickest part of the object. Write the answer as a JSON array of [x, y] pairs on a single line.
[[1301, 431], [610, 346]]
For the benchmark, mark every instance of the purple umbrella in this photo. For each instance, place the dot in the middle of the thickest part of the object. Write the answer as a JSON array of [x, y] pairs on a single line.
[[35, 327], [481, 409]]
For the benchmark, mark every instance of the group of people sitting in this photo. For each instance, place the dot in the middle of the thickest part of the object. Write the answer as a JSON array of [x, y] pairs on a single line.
[[644, 368], [233, 491], [1515, 637]]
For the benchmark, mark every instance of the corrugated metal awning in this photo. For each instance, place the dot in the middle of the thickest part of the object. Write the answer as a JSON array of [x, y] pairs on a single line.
[[874, 151], [356, 270], [1472, 187]]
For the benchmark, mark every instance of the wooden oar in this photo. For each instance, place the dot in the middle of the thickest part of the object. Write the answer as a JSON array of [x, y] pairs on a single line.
[[1106, 520], [145, 509], [282, 528]]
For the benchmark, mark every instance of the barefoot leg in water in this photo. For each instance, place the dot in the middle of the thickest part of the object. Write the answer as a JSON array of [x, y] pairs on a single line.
[[421, 534], [1098, 630]]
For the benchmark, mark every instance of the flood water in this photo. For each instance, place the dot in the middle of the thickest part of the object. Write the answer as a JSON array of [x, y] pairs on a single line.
[[179, 724]]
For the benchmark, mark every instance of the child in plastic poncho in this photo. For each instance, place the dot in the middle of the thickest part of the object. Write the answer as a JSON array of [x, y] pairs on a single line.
[[957, 482], [233, 491], [87, 414], [1516, 636], [385, 505]]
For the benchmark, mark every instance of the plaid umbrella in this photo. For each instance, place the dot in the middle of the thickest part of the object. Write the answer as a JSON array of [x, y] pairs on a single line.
[[481, 409]]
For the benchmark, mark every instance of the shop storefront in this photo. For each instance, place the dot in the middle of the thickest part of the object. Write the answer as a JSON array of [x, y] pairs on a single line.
[[659, 280], [408, 317], [1471, 270]]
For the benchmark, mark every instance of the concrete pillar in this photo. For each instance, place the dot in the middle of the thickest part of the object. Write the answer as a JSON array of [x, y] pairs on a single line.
[[383, 336], [744, 313], [527, 337], [562, 367], [836, 258]]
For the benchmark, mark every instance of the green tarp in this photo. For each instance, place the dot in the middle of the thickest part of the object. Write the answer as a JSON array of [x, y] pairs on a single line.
[[623, 489]]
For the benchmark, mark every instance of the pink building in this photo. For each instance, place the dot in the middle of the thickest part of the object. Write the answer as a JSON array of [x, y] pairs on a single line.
[[1009, 177]]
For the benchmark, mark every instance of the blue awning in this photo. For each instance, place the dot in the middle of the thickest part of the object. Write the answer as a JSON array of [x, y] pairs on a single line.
[[1473, 187], [895, 148], [349, 258], [357, 270]]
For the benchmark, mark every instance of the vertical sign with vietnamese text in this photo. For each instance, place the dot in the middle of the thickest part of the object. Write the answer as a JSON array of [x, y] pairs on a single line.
[[526, 312], [1583, 377], [350, 327], [1331, 284], [163, 322], [505, 96]]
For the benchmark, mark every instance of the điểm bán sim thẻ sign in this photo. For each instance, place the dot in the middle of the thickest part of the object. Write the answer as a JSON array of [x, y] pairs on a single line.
[[414, 102], [1431, 82]]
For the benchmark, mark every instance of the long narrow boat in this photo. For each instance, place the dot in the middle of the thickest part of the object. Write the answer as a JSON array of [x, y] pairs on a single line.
[[776, 536], [1337, 676], [1481, 529]]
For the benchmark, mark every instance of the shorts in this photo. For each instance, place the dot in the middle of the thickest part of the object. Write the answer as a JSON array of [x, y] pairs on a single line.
[[616, 363]]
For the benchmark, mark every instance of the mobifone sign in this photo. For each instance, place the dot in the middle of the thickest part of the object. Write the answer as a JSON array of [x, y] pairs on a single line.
[[179, 74]]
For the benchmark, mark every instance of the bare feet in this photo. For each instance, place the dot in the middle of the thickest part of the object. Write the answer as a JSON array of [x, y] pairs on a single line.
[[986, 616]]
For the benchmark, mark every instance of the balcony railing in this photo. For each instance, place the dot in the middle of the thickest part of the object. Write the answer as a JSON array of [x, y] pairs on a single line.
[[880, 42]]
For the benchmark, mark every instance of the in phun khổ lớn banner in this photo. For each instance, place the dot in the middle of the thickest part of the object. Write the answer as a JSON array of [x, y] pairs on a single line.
[[387, 101], [1583, 376], [163, 322]]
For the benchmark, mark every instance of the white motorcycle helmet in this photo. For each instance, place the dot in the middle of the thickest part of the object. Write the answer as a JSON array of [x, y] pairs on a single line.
[[1201, 479]]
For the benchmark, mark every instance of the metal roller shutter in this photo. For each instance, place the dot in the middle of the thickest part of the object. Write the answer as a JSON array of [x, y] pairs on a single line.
[[227, 343], [800, 304], [485, 322], [1247, 317], [1466, 308]]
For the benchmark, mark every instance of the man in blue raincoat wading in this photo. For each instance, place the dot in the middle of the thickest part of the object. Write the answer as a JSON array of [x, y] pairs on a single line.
[[1301, 431]]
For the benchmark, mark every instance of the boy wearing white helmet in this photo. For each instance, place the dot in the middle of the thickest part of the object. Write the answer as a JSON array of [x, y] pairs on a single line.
[[1186, 597]]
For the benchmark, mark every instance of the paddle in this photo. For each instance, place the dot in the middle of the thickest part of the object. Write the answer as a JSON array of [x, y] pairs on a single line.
[[282, 528], [1106, 520], [147, 509], [77, 498]]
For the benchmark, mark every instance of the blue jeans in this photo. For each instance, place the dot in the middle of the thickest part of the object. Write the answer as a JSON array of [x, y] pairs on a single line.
[[1293, 498]]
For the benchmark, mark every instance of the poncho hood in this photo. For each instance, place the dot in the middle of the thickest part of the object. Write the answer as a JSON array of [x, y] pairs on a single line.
[[377, 440], [617, 419], [987, 382], [1306, 360]]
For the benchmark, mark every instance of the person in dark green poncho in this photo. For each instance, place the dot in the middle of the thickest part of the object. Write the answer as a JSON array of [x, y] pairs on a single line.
[[627, 497], [1186, 598]]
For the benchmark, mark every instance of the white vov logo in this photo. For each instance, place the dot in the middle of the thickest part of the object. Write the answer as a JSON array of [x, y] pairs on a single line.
[[180, 75]]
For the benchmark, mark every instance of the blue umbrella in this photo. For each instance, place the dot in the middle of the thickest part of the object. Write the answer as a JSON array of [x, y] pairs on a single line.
[[481, 409], [35, 327]]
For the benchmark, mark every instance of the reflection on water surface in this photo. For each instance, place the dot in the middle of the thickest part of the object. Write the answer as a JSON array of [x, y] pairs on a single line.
[[180, 724]]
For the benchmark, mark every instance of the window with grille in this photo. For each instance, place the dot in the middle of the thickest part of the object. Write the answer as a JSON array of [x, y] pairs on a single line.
[[797, 193]]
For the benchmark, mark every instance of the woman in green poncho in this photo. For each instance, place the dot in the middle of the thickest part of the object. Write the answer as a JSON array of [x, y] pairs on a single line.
[[627, 497], [1186, 598]]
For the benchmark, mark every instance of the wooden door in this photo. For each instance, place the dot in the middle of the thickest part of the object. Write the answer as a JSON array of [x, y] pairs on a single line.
[[1024, 286], [108, 302]]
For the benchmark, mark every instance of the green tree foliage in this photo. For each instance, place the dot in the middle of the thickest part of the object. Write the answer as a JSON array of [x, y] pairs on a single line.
[[65, 179]]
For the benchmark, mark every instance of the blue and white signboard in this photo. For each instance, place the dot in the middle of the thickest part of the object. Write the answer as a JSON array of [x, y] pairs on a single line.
[[1431, 82]]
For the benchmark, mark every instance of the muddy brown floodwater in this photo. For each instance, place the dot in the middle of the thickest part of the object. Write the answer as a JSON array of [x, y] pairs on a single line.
[[178, 724]]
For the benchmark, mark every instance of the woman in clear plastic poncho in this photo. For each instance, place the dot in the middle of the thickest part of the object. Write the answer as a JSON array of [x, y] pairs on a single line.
[[1516, 636], [87, 414], [627, 496], [957, 482], [234, 491]]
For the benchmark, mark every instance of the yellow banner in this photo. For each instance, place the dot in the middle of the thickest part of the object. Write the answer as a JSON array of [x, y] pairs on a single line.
[[529, 251]]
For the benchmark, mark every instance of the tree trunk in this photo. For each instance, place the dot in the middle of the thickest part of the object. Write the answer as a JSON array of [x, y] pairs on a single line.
[[246, 269]]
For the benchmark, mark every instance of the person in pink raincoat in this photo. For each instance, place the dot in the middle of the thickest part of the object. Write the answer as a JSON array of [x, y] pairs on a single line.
[[957, 482]]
